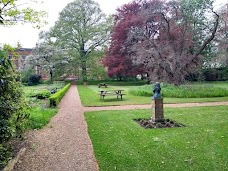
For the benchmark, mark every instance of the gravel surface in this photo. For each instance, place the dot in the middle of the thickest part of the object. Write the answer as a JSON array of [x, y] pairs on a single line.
[[64, 145], [128, 107]]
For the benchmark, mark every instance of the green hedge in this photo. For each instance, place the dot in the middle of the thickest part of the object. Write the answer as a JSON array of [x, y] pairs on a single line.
[[216, 74], [115, 82], [55, 98], [43, 94]]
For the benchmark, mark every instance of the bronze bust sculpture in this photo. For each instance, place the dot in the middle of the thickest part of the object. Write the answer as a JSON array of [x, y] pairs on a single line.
[[157, 91]]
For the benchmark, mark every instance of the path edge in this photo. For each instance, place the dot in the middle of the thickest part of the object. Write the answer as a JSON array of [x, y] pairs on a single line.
[[12, 162]]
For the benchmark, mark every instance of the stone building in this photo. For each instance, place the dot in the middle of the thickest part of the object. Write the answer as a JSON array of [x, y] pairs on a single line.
[[19, 57]]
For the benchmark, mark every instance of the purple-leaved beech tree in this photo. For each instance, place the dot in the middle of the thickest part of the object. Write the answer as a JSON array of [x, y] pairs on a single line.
[[167, 37]]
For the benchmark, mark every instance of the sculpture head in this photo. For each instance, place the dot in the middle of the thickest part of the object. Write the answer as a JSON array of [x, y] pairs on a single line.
[[157, 91]]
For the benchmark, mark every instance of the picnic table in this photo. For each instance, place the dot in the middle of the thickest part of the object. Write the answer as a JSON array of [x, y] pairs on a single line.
[[102, 85], [117, 93]]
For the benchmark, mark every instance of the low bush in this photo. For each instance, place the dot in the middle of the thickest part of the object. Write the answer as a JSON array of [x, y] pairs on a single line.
[[183, 91], [55, 98], [40, 94], [43, 94], [34, 79], [25, 74], [216, 74], [114, 82]]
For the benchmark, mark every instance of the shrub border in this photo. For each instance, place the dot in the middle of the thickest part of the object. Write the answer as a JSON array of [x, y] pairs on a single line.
[[56, 98]]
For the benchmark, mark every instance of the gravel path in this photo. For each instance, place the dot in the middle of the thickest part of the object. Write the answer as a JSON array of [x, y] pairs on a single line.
[[127, 107], [64, 145]]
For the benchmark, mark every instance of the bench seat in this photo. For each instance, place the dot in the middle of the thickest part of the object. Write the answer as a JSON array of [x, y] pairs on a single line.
[[102, 95], [103, 85]]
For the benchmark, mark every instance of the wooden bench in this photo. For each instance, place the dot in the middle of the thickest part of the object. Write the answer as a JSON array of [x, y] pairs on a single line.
[[103, 85], [117, 93]]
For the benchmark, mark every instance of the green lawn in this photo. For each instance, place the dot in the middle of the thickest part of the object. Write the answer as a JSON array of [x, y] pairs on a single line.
[[40, 117], [121, 144], [222, 84], [90, 96], [182, 91]]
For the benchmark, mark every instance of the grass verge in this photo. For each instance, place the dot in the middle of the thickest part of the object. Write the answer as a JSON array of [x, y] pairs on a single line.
[[40, 117], [121, 144], [183, 91], [90, 97]]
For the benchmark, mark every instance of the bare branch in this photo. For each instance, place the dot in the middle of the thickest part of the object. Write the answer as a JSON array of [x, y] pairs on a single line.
[[210, 38]]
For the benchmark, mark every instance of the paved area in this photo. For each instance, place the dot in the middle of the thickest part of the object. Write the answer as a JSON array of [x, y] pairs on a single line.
[[128, 107], [64, 145]]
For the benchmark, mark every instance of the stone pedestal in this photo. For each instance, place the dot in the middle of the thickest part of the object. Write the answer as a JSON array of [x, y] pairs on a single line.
[[157, 110]]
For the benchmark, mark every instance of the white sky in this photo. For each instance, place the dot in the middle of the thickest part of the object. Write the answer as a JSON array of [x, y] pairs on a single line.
[[28, 36]]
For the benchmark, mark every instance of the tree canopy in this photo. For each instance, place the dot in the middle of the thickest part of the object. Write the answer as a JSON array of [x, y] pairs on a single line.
[[49, 58], [14, 11], [116, 60], [222, 38], [82, 29], [167, 37]]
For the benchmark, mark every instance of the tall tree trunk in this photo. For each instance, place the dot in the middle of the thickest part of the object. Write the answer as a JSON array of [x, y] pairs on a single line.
[[51, 76], [84, 72], [83, 63]]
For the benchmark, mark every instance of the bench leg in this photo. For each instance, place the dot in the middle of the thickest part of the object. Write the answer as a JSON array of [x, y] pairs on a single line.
[[121, 97]]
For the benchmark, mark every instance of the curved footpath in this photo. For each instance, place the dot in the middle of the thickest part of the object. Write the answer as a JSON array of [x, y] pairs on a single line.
[[64, 145], [128, 107]]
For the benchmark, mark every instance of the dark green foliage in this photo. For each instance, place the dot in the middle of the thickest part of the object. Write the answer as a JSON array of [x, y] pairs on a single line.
[[193, 77], [115, 82], [13, 114], [43, 94], [55, 98], [216, 74], [5, 155], [54, 90], [209, 74], [34, 79], [25, 74]]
